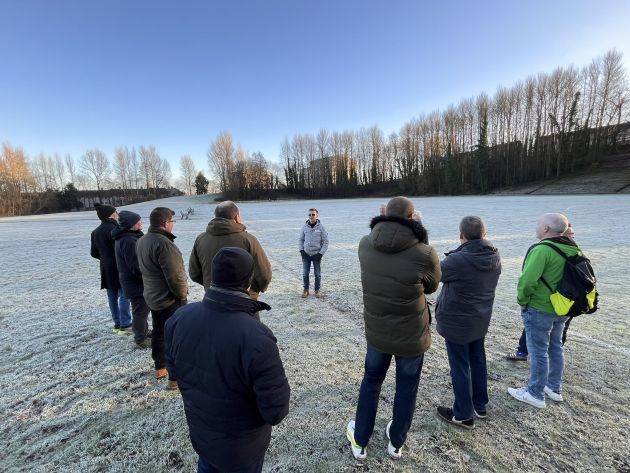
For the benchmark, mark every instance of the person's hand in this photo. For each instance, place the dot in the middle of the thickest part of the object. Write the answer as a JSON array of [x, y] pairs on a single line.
[[303, 253], [318, 257]]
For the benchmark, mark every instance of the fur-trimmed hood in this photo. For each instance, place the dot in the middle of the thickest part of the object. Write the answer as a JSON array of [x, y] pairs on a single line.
[[396, 234]]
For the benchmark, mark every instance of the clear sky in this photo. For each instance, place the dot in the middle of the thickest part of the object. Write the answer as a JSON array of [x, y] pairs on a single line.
[[82, 74]]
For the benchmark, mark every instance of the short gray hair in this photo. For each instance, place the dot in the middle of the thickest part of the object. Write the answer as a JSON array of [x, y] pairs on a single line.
[[227, 209], [472, 228], [557, 223]]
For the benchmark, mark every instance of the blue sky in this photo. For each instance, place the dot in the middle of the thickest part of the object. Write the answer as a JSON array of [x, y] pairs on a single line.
[[81, 74]]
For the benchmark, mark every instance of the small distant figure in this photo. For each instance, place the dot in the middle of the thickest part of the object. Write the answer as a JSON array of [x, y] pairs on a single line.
[[185, 214], [229, 369], [398, 267], [227, 229], [470, 275], [126, 236], [313, 244], [165, 281], [102, 248], [382, 209], [543, 327], [522, 353]]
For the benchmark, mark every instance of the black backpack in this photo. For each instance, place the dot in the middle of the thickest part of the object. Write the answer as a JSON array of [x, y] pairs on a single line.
[[576, 293]]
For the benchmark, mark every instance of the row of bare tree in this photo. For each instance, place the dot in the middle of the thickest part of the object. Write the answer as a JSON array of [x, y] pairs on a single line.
[[543, 127]]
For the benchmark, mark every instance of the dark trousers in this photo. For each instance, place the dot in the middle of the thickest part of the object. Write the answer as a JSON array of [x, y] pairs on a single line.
[[139, 317], [407, 379], [469, 376], [205, 467], [522, 345], [157, 341], [317, 269]]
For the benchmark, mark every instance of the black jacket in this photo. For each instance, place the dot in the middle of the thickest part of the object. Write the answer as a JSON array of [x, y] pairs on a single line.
[[230, 376], [102, 248], [127, 261], [469, 275]]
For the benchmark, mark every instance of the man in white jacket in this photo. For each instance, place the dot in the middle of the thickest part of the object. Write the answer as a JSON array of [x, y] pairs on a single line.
[[313, 245]]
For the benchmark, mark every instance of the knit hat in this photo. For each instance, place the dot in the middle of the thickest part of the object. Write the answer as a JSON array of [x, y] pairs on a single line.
[[104, 211], [232, 268], [127, 219]]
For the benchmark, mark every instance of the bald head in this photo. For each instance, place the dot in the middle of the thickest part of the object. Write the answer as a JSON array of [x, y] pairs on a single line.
[[399, 207], [551, 225], [227, 209]]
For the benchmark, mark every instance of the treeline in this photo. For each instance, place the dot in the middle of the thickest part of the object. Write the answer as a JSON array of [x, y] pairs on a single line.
[[48, 183], [548, 125]]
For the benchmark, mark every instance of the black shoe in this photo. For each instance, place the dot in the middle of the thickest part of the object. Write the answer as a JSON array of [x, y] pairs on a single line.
[[482, 414], [518, 356], [446, 413], [146, 343]]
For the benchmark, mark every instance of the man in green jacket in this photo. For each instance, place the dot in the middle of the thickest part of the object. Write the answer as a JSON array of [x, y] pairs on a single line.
[[227, 230], [398, 267], [543, 267], [164, 279]]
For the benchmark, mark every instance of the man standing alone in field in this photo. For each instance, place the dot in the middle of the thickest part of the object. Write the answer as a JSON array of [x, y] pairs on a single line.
[[165, 281], [102, 248], [542, 270], [226, 229], [398, 267], [313, 245], [470, 275], [126, 236]]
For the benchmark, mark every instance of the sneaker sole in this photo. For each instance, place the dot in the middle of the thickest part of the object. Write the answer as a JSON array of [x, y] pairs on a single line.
[[527, 402], [457, 424], [349, 437]]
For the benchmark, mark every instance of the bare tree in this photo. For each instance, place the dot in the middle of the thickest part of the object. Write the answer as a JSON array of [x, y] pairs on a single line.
[[221, 159], [59, 171], [189, 173], [95, 165], [71, 168]]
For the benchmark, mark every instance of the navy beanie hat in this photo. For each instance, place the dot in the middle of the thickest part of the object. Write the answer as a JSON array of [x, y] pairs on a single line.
[[127, 219], [232, 268]]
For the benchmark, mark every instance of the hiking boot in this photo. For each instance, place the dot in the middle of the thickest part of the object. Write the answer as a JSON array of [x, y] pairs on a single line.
[[144, 344], [125, 330], [359, 452], [481, 414], [318, 294], [446, 414], [551, 394], [523, 395], [305, 294], [392, 451], [161, 373], [518, 356], [172, 385]]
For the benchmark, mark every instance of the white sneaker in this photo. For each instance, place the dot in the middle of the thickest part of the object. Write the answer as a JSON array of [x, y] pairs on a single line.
[[392, 451], [523, 395], [359, 452], [551, 394]]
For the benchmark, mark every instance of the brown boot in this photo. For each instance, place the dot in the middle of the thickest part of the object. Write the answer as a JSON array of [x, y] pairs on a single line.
[[318, 294], [172, 385], [305, 294], [161, 373]]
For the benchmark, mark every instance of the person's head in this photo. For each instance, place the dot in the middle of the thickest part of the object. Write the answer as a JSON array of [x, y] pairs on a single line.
[[228, 210], [232, 268], [129, 220], [471, 228], [382, 209], [570, 233], [551, 225], [105, 212], [162, 217], [313, 215], [399, 207]]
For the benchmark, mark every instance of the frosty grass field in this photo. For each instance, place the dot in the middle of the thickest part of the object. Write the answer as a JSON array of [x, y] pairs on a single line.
[[75, 397]]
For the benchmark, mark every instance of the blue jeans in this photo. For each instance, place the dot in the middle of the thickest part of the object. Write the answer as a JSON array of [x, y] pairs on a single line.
[[469, 376], [407, 379], [205, 467], [317, 269], [546, 355], [119, 307]]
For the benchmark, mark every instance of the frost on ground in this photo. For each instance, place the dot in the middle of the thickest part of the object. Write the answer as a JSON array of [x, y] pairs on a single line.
[[75, 397]]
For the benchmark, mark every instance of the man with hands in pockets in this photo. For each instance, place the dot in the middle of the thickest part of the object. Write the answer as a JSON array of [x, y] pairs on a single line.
[[313, 245]]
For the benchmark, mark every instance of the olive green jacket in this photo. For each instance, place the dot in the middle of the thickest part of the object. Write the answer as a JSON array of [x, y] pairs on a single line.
[[398, 268]]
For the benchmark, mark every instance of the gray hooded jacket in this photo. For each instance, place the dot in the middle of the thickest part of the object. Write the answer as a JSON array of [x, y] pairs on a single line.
[[469, 275], [313, 240]]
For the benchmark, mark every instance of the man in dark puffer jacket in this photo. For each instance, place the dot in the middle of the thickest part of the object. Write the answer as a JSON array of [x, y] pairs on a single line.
[[125, 238], [469, 276], [398, 267], [228, 368]]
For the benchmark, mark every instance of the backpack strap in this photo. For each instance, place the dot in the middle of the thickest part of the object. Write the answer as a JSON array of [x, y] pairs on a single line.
[[554, 248]]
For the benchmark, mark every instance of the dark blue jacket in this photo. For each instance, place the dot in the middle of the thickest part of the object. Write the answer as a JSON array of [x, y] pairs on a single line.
[[127, 261], [230, 377], [102, 248], [469, 275]]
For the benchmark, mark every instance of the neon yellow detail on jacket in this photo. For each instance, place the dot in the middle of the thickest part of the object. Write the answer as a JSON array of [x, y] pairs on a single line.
[[590, 298], [561, 305]]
